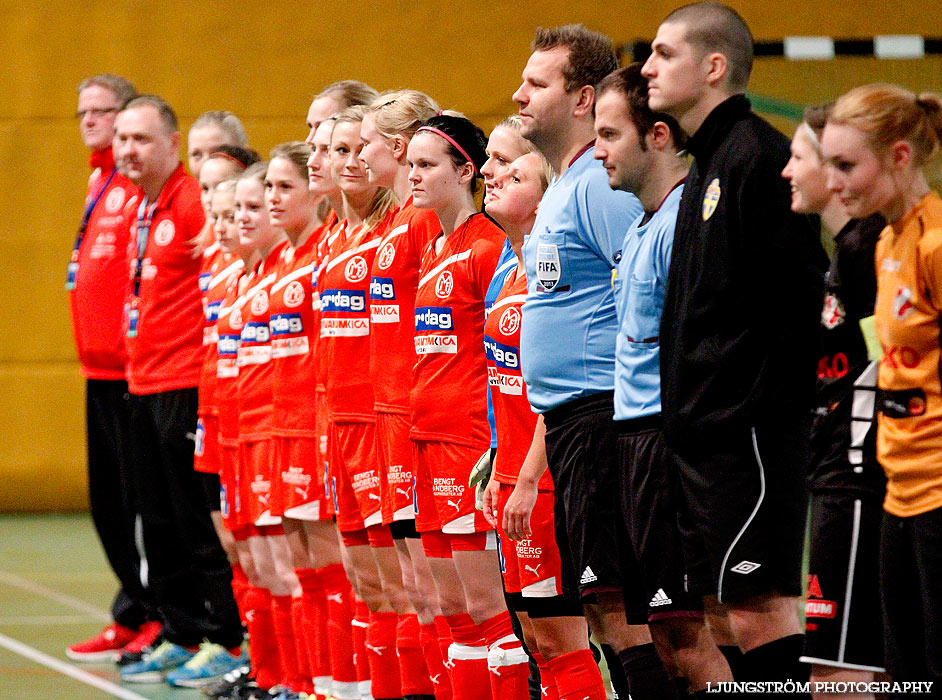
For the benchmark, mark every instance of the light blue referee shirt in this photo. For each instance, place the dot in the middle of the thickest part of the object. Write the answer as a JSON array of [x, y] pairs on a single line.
[[567, 336], [639, 299]]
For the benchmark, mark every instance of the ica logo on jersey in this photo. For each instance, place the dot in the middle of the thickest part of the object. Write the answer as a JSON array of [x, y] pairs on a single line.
[[356, 269]]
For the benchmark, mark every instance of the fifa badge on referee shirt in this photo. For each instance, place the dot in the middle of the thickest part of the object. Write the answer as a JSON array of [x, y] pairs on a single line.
[[711, 198]]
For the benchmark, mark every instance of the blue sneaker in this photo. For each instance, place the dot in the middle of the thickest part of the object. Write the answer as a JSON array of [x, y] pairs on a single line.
[[155, 665], [209, 664]]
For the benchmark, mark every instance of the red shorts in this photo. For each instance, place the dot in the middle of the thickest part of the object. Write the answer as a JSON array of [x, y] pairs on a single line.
[[438, 545], [355, 475], [530, 567], [255, 482], [206, 453], [394, 453], [441, 480], [296, 487], [229, 500], [373, 536]]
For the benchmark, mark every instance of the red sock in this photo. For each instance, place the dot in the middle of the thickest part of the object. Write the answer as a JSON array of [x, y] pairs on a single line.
[[507, 662], [340, 618], [284, 633], [547, 682], [412, 669], [432, 650], [240, 586], [468, 658], [381, 655], [263, 646], [314, 598], [361, 624], [300, 646], [577, 676]]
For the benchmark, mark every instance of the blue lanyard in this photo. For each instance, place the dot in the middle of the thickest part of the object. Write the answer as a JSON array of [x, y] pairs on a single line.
[[145, 214], [90, 205]]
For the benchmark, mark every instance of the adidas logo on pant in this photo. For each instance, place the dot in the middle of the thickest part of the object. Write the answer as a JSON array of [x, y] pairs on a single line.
[[587, 576], [660, 598]]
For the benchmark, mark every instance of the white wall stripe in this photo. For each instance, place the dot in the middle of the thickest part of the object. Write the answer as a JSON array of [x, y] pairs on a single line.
[[899, 46], [78, 674], [809, 48]]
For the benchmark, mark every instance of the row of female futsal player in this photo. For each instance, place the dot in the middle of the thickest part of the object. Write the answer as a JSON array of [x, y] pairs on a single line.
[[344, 402]]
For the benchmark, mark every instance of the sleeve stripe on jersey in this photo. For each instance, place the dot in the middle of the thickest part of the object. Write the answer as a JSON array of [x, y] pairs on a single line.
[[287, 279], [512, 299], [349, 253], [225, 274], [212, 249], [506, 266], [457, 257], [264, 282], [398, 231]]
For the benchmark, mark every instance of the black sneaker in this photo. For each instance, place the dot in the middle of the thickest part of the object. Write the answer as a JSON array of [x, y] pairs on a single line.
[[229, 683]]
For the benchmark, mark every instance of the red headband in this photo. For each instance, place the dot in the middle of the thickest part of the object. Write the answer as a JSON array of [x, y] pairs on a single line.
[[220, 154], [454, 143]]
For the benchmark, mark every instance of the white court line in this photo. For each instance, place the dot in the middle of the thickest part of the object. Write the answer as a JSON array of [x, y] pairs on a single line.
[[39, 589], [67, 669]]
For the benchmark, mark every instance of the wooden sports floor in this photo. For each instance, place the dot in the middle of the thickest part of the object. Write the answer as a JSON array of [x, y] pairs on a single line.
[[55, 589]]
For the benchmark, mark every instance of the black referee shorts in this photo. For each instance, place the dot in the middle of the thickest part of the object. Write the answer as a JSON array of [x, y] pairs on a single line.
[[650, 515], [746, 502], [595, 551]]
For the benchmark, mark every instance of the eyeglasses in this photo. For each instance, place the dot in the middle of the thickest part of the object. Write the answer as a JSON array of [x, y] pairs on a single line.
[[95, 112]]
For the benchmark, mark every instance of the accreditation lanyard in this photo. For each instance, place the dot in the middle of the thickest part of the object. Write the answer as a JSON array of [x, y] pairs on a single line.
[[72, 271], [145, 215]]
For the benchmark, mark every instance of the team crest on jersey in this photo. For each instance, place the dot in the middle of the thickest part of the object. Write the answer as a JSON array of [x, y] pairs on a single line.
[[294, 294], [444, 284], [164, 233], [356, 269], [235, 319], [114, 200], [386, 255], [260, 303], [833, 313], [711, 198], [510, 321], [548, 268], [903, 304]]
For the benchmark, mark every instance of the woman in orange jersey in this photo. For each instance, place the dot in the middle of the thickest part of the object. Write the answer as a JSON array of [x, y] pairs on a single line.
[[211, 131], [519, 497], [449, 409], [218, 266], [388, 126], [298, 489], [345, 343], [333, 98], [878, 141]]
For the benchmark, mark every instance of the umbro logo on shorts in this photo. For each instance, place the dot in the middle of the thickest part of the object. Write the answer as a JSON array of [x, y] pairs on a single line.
[[660, 598], [587, 576], [745, 567]]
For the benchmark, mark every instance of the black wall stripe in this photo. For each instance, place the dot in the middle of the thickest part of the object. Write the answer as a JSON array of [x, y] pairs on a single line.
[[640, 49]]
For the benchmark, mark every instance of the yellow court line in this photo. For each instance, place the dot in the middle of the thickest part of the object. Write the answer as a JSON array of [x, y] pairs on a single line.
[[39, 589], [78, 674]]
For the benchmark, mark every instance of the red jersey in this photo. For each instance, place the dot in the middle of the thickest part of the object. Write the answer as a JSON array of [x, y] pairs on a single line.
[[293, 323], [229, 333], [255, 367], [345, 323], [165, 347], [395, 276], [323, 257], [101, 279], [221, 268], [448, 386], [515, 420]]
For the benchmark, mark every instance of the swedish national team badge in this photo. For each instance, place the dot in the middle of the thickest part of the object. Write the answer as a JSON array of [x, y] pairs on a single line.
[[711, 198]]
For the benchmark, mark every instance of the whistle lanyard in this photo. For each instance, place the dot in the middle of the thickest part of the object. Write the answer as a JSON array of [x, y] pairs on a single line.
[[145, 215], [72, 271]]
